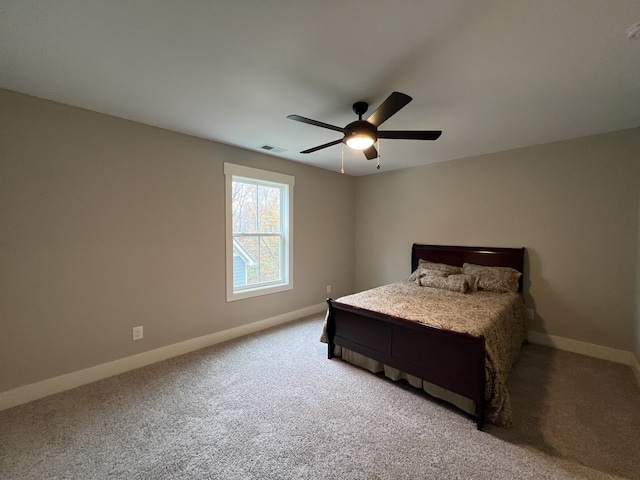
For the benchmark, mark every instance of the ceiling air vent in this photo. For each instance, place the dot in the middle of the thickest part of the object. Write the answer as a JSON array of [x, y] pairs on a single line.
[[271, 148]]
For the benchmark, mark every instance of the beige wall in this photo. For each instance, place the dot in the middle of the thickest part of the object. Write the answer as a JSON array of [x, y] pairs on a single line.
[[636, 351], [106, 224], [573, 205]]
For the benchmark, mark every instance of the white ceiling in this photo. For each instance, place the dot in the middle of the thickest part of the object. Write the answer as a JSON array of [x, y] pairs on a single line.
[[492, 75]]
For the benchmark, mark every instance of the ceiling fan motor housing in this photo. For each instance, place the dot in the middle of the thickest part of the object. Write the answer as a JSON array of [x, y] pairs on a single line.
[[360, 127]]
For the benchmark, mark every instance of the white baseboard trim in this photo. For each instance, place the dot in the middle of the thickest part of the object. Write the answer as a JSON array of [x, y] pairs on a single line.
[[589, 349], [584, 348], [44, 388]]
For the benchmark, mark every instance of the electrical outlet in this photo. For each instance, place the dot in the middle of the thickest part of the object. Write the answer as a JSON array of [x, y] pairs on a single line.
[[137, 333], [328, 288]]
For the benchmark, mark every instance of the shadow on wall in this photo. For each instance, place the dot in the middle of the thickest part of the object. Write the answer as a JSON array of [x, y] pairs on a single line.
[[533, 269]]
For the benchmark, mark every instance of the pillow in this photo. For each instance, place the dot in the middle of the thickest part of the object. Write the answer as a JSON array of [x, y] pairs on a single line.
[[422, 271], [494, 279], [440, 267], [471, 280], [456, 283]]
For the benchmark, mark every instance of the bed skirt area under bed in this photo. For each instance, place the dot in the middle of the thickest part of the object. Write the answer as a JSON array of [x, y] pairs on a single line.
[[374, 366]]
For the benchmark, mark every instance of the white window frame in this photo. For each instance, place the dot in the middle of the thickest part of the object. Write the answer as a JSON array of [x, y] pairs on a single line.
[[240, 172]]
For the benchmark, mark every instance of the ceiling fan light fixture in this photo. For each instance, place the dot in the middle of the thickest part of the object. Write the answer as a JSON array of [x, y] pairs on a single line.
[[360, 141], [360, 135]]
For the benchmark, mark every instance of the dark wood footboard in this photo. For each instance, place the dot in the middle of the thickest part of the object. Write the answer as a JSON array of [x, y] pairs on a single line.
[[452, 360]]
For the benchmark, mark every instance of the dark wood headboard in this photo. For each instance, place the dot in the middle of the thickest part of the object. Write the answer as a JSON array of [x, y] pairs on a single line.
[[455, 255]]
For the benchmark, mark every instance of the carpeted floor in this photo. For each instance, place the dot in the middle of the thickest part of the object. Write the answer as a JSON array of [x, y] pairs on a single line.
[[271, 406]]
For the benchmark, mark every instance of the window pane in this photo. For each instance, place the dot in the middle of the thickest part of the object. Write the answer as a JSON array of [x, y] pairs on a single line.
[[270, 255], [265, 260], [269, 209], [250, 247], [244, 204]]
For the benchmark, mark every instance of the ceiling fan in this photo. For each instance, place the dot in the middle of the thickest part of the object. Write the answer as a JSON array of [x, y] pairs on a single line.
[[362, 134]]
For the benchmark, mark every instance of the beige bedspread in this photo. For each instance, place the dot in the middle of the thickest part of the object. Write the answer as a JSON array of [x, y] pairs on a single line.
[[499, 317]]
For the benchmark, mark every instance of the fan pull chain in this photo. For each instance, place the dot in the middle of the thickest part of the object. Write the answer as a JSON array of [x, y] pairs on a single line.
[[378, 165], [342, 169]]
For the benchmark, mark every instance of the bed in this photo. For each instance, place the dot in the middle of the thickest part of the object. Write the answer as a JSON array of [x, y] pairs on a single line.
[[457, 345]]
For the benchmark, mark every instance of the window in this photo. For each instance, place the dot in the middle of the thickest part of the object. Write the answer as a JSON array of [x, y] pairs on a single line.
[[259, 214]]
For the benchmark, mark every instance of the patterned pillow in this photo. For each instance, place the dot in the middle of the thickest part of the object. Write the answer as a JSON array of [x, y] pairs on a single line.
[[456, 283], [494, 279], [422, 271], [439, 267], [465, 279]]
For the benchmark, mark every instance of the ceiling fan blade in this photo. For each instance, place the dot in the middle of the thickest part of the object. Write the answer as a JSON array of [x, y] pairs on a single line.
[[410, 135], [389, 107], [298, 118], [371, 153], [320, 147]]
